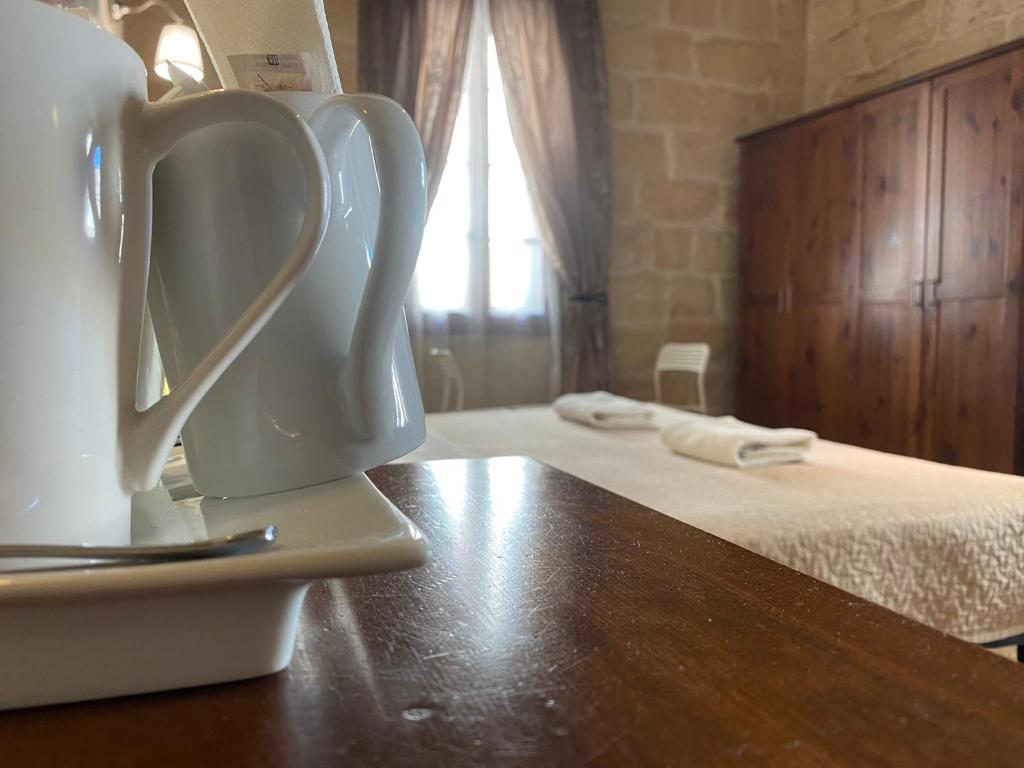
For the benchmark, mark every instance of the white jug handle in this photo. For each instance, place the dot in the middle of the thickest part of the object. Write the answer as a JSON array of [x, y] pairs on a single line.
[[146, 437], [402, 173]]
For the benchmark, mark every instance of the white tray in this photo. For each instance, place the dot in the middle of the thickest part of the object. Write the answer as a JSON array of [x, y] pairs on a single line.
[[109, 631]]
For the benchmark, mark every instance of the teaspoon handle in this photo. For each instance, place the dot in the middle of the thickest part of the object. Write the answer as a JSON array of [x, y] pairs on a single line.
[[235, 544]]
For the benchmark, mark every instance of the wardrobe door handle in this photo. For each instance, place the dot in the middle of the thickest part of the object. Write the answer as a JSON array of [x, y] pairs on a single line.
[[917, 294], [789, 298]]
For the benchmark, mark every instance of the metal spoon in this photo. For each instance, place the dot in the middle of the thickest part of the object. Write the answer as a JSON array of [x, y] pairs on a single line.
[[235, 544]]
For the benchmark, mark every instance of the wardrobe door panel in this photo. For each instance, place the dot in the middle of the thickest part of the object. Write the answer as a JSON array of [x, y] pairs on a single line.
[[820, 388], [894, 183], [822, 298], [825, 263], [888, 370], [765, 365], [974, 384], [770, 216], [977, 218], [770, 197], [977, 118], [894, 191]]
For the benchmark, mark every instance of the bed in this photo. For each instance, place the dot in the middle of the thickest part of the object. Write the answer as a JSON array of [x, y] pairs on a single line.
[[937, 543]]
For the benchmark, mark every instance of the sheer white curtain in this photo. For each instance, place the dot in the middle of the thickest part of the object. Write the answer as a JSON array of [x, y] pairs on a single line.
[[483, 285]]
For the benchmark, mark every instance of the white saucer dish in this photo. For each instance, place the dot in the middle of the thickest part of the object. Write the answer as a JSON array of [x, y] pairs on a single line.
[[89, 633]]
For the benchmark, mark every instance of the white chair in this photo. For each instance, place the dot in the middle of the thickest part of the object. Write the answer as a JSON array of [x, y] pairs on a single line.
[[451, 378], [685, 358]]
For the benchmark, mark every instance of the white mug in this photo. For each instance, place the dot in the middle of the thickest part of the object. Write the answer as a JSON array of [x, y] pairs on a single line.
[[78, 143], [328, 388]]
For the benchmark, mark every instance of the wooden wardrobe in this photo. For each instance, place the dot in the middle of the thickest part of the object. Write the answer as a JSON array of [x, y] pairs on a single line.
[[881, 250]]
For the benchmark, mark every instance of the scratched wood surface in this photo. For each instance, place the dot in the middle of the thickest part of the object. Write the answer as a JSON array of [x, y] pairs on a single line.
[[560, 625]]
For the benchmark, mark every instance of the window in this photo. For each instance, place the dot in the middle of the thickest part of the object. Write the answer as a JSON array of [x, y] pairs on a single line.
[[481, 253]]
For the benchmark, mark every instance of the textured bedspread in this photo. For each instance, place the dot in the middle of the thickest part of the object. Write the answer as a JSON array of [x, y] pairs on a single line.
[[940, 544]]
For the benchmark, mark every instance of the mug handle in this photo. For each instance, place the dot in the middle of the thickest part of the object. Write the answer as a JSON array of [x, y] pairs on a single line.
[[402, 173], [146, 437]]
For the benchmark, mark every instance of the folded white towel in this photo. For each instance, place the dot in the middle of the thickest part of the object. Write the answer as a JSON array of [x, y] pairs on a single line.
[[605, 410], [729, 441]]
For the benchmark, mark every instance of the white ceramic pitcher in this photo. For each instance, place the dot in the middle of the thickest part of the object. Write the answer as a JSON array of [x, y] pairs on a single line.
[[328, 389], [78, 143]]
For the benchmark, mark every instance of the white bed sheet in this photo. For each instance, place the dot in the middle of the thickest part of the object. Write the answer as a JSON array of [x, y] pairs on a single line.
[[940, 544]]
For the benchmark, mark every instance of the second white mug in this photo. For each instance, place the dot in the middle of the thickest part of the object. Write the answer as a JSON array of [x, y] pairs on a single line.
[[328, 388]]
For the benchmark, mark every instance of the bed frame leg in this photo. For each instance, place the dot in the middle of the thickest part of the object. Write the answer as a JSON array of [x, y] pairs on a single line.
[[1020, 653]]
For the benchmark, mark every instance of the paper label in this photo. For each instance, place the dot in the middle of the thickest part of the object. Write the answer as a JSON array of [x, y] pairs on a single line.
[[270, 72]]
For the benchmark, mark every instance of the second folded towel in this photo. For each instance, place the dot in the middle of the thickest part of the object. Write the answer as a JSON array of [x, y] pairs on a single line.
[[729, 441], [604, 410]]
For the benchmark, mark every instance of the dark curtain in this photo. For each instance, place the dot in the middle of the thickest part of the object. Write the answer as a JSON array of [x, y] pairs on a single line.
[[414, 51], [551, 54]]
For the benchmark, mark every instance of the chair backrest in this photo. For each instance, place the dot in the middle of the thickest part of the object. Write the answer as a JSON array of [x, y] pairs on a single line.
[[683, 357], [451, 378], [689, 358]]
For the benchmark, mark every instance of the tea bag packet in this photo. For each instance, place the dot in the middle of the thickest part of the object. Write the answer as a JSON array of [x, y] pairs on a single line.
[[246, 37], [271, 72]]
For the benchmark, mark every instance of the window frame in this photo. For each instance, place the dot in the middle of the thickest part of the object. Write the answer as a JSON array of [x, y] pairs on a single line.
[[478, 300]]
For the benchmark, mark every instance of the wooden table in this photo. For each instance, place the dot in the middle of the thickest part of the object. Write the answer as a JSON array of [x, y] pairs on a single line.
[[560, 625]]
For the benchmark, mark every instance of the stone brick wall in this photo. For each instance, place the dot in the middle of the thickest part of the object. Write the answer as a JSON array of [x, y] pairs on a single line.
[[857, 45], [688, 76]]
